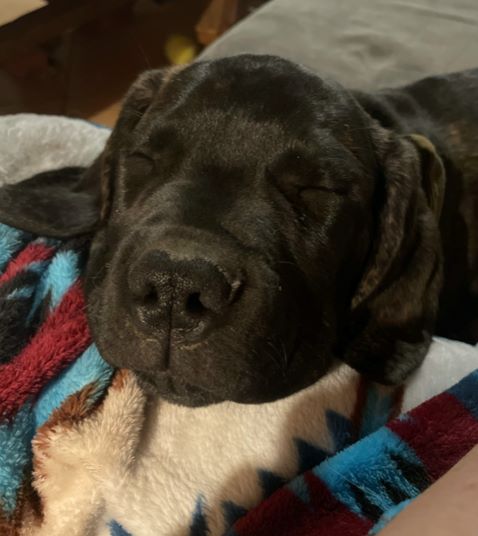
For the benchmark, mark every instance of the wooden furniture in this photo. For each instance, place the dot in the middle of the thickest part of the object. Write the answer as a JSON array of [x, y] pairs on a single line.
[[48, 22], [42, 25], [220, 15]]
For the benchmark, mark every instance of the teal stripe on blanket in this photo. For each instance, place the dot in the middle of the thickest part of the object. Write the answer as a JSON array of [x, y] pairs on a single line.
[[198, 525], [365, 467], [21, 293], [61, 273], [15, 456], [117, 530], [465, 391], [10, 241], [89, 368], [376, 411]]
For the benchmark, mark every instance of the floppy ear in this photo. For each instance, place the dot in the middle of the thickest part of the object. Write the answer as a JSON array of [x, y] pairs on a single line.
[[59, 203], [148, 87], [394, 309], [74, 201]]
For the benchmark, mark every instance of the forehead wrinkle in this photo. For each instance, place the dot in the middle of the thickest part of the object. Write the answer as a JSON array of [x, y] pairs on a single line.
[[167, 75], [180, 86], [233, 128], [335, 150]]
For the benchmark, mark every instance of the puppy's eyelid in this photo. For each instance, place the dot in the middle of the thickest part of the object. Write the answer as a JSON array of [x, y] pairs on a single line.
[[294, 186], [141, 154], [323, 188]]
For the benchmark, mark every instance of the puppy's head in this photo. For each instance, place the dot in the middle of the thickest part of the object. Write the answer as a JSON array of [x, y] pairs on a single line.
[[251, 224]]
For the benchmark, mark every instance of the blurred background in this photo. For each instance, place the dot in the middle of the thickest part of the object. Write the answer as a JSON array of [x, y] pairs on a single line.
[[78, 57]]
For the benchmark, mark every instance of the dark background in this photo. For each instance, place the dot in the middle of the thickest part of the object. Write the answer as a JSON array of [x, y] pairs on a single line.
[[78, 57]]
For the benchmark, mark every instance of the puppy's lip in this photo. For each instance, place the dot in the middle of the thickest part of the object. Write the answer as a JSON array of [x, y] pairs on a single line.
[[151, 374], [164, 385], [152, 380]]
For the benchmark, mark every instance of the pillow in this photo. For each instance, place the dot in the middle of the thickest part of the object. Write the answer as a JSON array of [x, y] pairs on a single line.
[[364, 44]]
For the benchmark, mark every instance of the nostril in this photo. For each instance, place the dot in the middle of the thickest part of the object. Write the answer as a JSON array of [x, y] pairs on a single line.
[[151, 297], [194, 305]]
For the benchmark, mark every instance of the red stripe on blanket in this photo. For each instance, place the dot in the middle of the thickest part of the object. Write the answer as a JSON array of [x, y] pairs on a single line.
[[62, 337], [441, 431], [331, 516], [32, 253], [284, 514]]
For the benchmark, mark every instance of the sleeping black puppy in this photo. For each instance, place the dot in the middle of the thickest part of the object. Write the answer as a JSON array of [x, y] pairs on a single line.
[[253, 224]]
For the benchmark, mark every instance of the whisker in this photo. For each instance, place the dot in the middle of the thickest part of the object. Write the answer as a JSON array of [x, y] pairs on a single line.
[[278, 357], [284, 354], [145, 57]]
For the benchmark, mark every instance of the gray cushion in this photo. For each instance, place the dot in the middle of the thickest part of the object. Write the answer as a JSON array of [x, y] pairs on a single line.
[[362, 43]]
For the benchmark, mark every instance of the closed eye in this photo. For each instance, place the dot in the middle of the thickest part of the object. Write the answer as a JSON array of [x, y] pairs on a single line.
[[300, 177], [295, 188], [335, 189], [139, 163], [142, 155], [139, 175]]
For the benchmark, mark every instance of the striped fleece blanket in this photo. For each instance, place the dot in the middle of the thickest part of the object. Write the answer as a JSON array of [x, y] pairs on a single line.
[[84, 452], [359, 490], [46, 356]]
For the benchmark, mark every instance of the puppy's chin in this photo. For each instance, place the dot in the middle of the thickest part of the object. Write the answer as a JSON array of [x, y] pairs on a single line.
[[176, 391], [187, 395]]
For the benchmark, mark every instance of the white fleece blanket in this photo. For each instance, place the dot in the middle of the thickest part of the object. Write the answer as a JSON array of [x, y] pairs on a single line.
[[144, 467]]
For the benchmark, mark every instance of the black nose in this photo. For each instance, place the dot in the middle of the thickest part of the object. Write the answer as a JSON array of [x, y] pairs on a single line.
[[184, 295]]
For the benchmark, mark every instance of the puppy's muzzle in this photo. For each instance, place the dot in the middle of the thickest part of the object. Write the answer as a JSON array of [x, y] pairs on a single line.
[[182, 298]]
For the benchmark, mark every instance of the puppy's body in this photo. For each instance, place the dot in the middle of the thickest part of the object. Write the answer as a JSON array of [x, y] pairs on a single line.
[[445, 110], [253, 223]]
